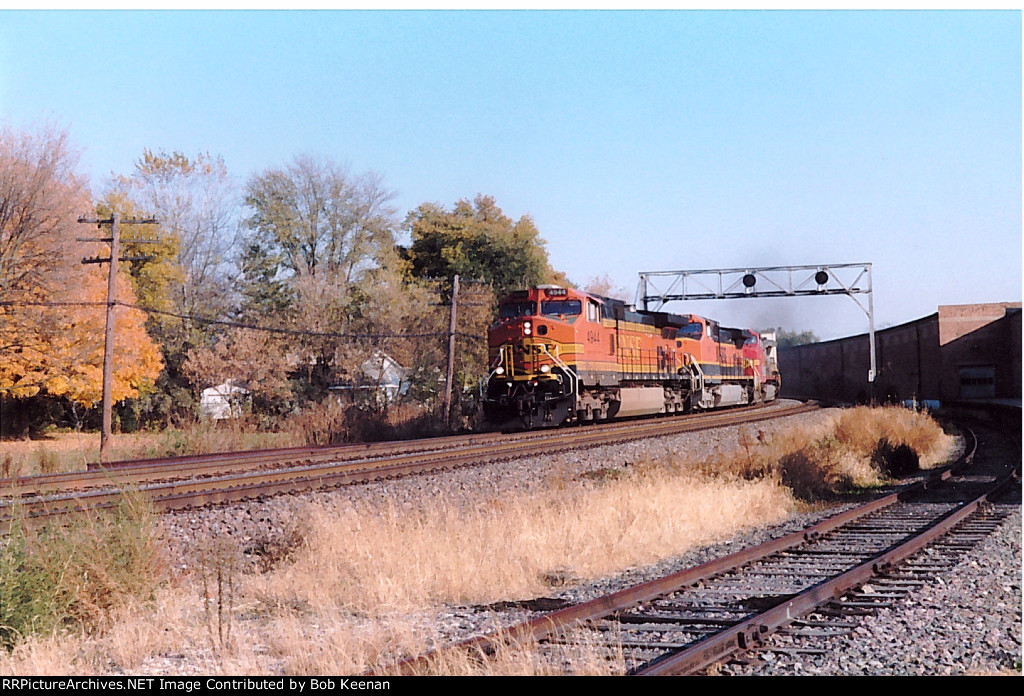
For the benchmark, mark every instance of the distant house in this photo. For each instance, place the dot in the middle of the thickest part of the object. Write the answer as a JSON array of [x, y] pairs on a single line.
[[222, 402], [381, 374]]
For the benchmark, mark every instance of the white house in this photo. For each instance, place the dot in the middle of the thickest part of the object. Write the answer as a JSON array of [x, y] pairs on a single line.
[[380, 373]]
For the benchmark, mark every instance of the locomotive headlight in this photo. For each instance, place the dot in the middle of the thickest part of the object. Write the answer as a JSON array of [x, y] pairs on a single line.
[[527, 328], [499, 370], [545, 369]]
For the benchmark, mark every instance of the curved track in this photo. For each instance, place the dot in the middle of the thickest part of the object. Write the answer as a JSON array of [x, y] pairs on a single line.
[[806, 581]]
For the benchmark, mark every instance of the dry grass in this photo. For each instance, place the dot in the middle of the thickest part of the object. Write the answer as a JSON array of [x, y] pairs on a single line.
[[323, 424], [577, 651], [374, 561], [69, 452], [366, 586], [860, 429], [851, 450], [73, 451]]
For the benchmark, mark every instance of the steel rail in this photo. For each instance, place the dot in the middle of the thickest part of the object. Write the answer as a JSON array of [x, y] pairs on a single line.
[[175, 495], [563, 620], [753, 630], [135, 472]]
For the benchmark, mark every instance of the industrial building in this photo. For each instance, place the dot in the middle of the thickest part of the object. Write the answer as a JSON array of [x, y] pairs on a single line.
[[959, 353]]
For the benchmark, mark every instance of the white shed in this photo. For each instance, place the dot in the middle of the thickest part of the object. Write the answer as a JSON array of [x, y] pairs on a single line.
[[222, 402]]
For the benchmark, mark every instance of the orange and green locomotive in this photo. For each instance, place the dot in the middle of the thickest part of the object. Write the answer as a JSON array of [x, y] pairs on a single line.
[[560, 355]]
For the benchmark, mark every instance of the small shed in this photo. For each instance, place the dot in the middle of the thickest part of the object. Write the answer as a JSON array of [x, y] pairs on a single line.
[[223, 401]]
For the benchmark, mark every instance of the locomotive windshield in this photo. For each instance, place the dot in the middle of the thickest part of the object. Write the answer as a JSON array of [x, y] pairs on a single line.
[[692, 330], [512, 310], [552, 308]]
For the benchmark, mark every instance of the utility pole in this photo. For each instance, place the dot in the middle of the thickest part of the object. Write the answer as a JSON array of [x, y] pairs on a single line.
[[108, 338], [451, 354]]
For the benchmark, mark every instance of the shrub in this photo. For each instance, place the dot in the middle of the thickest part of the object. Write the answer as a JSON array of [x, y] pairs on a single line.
[[74, 575]]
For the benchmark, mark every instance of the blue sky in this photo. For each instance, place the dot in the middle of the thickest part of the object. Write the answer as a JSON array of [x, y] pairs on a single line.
[[638, 141]]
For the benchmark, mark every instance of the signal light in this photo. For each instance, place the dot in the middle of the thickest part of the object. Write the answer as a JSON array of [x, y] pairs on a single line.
[[821, 277], [749, 280]]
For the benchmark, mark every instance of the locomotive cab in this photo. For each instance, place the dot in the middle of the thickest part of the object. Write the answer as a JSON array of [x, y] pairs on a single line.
[[532, 374]]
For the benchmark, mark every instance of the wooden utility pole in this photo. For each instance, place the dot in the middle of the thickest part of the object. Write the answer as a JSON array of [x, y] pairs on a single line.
[[108, 338], [451, 354]]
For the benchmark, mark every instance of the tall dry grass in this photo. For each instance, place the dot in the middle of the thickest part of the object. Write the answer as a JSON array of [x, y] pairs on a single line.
[[851, 450], [861, 429], [374, 560]]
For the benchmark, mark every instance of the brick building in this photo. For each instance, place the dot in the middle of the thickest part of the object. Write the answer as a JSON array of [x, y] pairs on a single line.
[[962, 352]]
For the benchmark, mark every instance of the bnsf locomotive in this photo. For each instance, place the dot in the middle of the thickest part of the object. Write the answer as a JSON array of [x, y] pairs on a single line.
[[559, 355]]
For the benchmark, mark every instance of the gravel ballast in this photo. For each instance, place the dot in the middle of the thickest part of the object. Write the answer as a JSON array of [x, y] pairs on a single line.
[[967, 620]]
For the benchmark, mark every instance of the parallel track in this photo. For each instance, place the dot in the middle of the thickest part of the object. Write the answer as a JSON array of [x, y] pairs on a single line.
[[685, 622], [184, 482]]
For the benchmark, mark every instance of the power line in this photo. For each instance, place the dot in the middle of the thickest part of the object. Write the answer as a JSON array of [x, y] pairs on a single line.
[[223, 322]]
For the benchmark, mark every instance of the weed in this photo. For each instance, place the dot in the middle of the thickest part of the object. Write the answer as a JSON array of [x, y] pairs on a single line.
[[219, 568], [8, 468], [76, 574], [49, 463]]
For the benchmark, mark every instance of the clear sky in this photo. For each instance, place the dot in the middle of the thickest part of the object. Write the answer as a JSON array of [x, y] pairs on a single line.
[[638, 141]]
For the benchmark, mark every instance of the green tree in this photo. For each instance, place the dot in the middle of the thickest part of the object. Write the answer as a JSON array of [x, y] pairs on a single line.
[[262, 292], [319, 219], [476, 240], [788, 339]]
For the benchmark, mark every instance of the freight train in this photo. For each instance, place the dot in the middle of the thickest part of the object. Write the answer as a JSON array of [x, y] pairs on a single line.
[[558, 355]]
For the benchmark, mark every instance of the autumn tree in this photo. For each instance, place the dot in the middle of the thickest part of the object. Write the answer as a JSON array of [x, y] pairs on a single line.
[[313, 234], [476, 240], [72, 364], [155, 269], [188, 274], [604, 286], [195, 201], [41, 198], [52, 312], [253, 359]]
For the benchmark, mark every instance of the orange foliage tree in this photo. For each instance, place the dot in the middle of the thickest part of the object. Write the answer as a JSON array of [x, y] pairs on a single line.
[[52, 313], [72, 363]]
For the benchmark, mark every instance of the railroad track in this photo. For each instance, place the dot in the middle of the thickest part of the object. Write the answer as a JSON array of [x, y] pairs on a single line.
[[813, 582], [183, 482]]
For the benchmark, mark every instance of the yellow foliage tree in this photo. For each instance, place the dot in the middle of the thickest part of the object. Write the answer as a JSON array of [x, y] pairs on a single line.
[[67, 360], [52, 313]]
